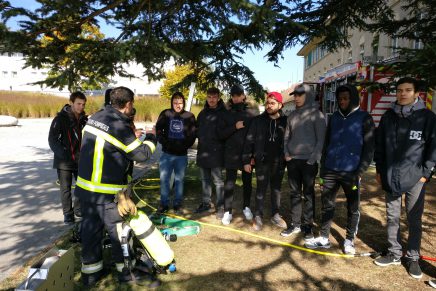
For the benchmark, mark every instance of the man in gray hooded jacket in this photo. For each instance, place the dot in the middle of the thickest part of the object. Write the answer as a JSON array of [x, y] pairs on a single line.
[[303, 143]]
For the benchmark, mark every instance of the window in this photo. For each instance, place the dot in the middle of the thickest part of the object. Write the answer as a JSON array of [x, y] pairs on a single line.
[[350, 56], [362, 51], [14, 74], [394, 46], [4, 74], [309, 60], [417, 44]]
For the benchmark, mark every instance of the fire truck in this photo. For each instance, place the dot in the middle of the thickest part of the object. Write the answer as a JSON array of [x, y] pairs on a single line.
[[372, 82]]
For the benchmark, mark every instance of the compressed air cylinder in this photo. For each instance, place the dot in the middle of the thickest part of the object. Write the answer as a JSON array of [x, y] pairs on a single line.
[[152, 240]]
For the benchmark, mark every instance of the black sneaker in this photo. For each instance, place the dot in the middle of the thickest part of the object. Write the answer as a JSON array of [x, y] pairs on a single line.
[[220, 213], [257, 223], [203, 207], [387, 260], [414, 269], [432, 283], [162, 209], [290, 231], [178, 210], [69, 219]]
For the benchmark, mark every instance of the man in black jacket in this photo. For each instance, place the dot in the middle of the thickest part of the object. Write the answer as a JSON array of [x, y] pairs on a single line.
[[264, 142], [405, 157], [210, 152], [64, 139], [175, 130], [233, 125]]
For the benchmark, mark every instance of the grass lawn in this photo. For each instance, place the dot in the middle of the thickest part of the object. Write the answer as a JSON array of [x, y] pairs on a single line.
[[220, 258]]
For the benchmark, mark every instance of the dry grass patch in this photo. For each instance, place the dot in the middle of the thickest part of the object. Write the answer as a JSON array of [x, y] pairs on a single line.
[[219, 259]]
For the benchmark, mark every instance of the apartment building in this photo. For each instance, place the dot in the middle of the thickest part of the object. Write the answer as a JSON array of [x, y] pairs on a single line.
[[365, 47]]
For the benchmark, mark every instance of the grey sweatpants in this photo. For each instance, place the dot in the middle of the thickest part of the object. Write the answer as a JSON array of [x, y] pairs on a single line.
[[414, 199]]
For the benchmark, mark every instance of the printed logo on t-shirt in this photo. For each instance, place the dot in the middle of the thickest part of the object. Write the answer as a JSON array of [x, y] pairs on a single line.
[[415, 134], [176, 129]]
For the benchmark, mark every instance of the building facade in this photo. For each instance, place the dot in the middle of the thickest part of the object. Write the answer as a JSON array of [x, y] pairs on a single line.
[[364, 47]]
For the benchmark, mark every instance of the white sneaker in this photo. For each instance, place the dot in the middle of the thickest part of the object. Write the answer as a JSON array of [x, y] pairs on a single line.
[[349, 247], [319, 242], [227, 218], [247, 213], [432, 283]]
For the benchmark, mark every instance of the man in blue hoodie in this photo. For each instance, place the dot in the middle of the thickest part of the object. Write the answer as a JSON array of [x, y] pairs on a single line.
[[348, 151], [175, 131], [405, 157]]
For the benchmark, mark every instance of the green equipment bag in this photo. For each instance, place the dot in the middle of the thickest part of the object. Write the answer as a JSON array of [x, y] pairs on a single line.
[[180, 227]]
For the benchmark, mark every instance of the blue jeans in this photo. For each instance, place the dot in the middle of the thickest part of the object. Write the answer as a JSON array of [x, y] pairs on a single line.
[[207, 176], [167, 164]]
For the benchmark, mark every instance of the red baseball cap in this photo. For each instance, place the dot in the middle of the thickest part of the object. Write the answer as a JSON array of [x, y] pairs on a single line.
[[276, 95]]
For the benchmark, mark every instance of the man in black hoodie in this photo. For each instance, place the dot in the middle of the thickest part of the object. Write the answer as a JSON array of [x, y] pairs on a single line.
[[233, 125], [210, 152], [348, 151], [405, 157], [175, 131], [64, 139], [264, 142]]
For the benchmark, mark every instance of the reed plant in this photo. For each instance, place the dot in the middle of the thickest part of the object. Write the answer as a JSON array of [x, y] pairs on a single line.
[[38, 105]]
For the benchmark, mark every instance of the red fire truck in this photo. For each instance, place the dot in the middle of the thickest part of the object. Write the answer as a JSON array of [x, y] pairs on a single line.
[[372, 82]]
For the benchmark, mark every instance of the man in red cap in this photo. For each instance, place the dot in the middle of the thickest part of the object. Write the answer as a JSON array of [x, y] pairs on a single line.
[[264, 142]]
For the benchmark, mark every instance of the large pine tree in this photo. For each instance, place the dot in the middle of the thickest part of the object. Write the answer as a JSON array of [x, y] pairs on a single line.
[[210, 34]]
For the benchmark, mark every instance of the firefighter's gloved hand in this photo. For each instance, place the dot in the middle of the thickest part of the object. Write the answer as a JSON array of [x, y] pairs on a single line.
[[125, 204]]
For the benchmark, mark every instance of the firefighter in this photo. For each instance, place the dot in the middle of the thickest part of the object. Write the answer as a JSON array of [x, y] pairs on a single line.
[[108, 146]]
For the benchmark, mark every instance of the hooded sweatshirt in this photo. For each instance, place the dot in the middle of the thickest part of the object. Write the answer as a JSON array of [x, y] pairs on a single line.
[[405, 146], [65, 137], [305, 131], [349, 142], [175, 131], [264, 140]]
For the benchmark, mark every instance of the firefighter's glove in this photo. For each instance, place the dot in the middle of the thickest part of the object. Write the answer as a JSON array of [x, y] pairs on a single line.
[[125, 204]]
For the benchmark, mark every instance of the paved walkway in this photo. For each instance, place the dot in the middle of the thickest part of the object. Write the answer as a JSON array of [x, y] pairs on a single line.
[[30, 208]]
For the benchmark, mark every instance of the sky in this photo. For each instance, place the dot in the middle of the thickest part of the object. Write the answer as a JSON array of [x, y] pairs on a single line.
[[274, 78]]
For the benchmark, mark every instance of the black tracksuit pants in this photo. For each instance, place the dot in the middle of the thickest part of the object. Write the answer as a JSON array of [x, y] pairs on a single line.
[[270, 172], [350, 184], [301, 179], [70, 206], [229, 188]]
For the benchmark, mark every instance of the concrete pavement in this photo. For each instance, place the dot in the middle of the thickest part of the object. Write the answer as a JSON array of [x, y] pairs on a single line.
[[30, 212], [30, 208]]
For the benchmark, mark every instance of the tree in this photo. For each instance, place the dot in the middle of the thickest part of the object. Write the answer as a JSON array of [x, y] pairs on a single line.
[[210, 34], [180, 79]]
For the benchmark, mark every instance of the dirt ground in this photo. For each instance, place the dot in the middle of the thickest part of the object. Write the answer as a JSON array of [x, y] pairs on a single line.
[[220, 258]]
